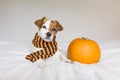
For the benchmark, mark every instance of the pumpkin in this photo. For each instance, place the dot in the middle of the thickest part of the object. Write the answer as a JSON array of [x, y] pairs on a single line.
[[84, 50]]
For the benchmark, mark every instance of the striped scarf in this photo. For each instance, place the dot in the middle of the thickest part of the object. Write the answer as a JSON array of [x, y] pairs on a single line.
[[49, 49]]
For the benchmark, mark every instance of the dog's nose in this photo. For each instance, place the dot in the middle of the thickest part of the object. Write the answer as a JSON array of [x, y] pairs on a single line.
[[48, 34]]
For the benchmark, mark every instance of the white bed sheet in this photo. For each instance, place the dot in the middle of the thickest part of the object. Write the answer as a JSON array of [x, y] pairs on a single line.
[[13, 65]]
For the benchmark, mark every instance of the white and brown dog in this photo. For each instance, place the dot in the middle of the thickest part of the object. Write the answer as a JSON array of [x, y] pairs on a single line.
[[45, 45]]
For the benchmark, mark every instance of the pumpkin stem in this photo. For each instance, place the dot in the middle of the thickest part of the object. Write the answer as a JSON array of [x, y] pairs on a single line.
[[83, 38]]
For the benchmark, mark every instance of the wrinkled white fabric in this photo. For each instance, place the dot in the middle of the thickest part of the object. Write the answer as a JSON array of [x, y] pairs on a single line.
[[14, 66]]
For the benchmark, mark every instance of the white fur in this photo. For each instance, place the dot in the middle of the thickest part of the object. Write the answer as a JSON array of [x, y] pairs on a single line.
[[42, 32], [34, 49], [47, 23], [40, 63]]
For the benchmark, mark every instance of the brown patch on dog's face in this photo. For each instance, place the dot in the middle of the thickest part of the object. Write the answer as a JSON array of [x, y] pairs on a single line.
[[40, 22], [48, 28], [55, 27]]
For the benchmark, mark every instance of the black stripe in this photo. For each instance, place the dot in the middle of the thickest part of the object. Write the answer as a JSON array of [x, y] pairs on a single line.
[[41, 56], [32, 57], [36, 39], [39, 43], [48, 48], [44, 48], [36, 53], [52, 47], [41, 52], [55, 44], [43, 44]]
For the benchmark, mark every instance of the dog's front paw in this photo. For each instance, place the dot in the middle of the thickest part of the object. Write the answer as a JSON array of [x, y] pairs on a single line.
[[69, 61], [65, 59], [41, 63]]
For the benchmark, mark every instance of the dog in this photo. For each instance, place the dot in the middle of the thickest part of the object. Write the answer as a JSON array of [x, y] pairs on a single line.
[[45, 45]]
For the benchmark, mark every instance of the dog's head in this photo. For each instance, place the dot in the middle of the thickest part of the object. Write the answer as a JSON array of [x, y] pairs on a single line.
[[48, 28]]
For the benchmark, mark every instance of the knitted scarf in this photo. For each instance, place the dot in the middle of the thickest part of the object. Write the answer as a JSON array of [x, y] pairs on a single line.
[[49, 49]]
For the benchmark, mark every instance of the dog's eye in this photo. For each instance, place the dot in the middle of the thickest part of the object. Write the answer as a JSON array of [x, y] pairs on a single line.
[[44, 27], [54, 29]]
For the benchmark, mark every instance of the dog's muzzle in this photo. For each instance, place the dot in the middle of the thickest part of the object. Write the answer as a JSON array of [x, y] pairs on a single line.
[[48, 34]]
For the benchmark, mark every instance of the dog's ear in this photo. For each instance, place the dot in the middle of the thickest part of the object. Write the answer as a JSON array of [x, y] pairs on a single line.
[[40, 22], [58, 26]]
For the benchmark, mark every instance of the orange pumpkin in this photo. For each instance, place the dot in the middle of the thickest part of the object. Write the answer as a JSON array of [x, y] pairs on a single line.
[[84, 51]]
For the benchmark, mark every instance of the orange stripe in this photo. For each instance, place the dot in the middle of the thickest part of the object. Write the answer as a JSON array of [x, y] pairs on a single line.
[[41, 44], [50, 47], [35, 39], [38, 43], [42, 47], [46, 56], [46, 48], [34, 56], [53, 47], [40, 52], [43, 52], [37, 52], [48, 52]]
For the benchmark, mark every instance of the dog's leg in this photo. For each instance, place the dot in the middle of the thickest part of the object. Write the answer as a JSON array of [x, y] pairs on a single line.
[[65, 59], [34, 49], [40, 63]]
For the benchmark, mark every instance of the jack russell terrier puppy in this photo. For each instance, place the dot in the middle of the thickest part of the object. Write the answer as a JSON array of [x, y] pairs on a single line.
[[45, 45]]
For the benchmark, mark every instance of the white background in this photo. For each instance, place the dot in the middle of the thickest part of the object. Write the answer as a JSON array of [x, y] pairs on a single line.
[[95, 19]]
